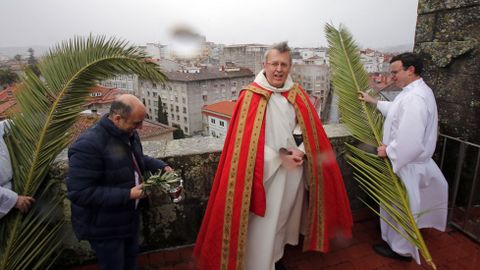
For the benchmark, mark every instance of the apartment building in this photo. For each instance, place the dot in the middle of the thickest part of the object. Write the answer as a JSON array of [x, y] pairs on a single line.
[[217, 118], [187, 91], [244, 55], [315, 80]]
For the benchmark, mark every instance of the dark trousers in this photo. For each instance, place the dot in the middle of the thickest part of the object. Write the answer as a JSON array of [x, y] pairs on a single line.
[[116, 254]]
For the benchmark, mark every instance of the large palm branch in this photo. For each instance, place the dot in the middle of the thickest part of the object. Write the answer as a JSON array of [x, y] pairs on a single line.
[[49, 106], [374, 174]]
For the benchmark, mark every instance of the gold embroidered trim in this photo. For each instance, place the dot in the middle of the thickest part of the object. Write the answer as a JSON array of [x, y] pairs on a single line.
[[316, 200], [252, 155], [232, 180], [259, 91]]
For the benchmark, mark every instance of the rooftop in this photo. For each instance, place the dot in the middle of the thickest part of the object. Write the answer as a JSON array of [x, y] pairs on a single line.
[[222, 108], [208, 74]]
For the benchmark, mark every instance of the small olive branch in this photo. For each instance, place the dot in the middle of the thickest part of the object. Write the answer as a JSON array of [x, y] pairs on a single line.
[[164, 180]]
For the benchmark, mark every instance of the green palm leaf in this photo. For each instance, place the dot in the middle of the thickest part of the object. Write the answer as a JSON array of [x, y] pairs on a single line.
[[40, 131], [374, 175]]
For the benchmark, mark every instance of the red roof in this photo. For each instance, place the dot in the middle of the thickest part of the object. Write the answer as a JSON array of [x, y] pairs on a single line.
[[6, 107], [7, 93], [102, 95], [149, 128], [222, 108]]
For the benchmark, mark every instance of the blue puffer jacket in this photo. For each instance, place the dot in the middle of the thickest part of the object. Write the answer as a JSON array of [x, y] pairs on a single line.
[[100, 176]]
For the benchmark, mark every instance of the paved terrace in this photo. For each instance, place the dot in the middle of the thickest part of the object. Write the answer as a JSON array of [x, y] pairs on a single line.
[[450, 250]]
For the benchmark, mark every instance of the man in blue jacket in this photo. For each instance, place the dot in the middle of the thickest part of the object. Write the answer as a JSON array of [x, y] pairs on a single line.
[[104, 183]]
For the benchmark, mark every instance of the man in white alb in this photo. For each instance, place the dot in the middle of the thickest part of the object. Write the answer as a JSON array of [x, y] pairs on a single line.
[[409, 140]]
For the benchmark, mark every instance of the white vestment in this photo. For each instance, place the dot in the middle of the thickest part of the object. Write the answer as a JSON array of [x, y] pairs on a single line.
[[8, 198], [284, 189], [410, 133]]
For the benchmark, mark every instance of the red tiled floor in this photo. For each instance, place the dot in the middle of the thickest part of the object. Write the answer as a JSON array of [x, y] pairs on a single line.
[[449, 250]]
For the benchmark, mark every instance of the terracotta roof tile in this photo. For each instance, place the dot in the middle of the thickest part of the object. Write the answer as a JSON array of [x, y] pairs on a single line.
[[222, 108], [149, 129]]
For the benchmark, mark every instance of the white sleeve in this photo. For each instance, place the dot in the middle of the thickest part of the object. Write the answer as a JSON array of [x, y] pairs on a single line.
[[407, 143], [8, 199], [384, 106], [271, 162]]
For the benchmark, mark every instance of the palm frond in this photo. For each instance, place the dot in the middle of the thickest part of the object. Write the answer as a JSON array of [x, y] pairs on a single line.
[[374, 175], [49, 107]]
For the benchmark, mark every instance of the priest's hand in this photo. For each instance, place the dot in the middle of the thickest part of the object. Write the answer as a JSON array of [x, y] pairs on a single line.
[[291, 158], [382, 151], [366, 97]]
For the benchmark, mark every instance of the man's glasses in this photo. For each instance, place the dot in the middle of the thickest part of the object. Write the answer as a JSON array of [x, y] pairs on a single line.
[[277, 64]]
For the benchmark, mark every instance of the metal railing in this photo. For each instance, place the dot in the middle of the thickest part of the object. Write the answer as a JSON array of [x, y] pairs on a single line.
[[460, 163]]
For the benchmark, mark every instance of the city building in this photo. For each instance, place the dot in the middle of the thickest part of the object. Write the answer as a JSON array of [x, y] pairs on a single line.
[[217, 118], [315, 80], [244, 55], [188, 90], [128, 83]]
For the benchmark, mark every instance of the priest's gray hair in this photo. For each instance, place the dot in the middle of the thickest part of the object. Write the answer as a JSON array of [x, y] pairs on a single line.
[[282, 47]]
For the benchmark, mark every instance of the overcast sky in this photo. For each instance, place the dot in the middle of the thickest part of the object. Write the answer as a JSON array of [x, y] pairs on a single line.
[[373, 23]]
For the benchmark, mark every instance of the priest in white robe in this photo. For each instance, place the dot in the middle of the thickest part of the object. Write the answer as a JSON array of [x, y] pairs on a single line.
[[409, 140], [275, 152]]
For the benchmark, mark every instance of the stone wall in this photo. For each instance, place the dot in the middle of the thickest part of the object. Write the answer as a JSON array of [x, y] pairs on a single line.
[[448, 36], [168, 225]]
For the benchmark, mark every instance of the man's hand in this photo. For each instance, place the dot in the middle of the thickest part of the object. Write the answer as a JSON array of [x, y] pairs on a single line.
[[291, 158], [382, 150], [167, 169], [366, 97], [137, 192], [24, 203]]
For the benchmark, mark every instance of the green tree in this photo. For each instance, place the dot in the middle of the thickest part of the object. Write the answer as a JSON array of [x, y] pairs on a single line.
[[7, 76], [49, 108], [32, 62], [162, 116], [178, 132]]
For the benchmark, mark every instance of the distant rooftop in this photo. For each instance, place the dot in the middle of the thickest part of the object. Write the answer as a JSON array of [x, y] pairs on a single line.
[[208, 74]]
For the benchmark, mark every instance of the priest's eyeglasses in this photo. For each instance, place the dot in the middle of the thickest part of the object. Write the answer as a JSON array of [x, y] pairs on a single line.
[[278, 64]]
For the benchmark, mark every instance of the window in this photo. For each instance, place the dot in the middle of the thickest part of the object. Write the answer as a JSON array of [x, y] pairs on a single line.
[[176, 109], [176, 99], [185, 119], [149, 103], [184, 110], [184, 100], [212, 120], [154, 85], [186, 129], [154, 94], [222, 124], [204, 98], [148, 93], [155, 103], [178, 118]]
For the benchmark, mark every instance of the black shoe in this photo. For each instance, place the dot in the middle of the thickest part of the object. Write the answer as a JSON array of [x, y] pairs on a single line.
[[279, 266], [385, 251]]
